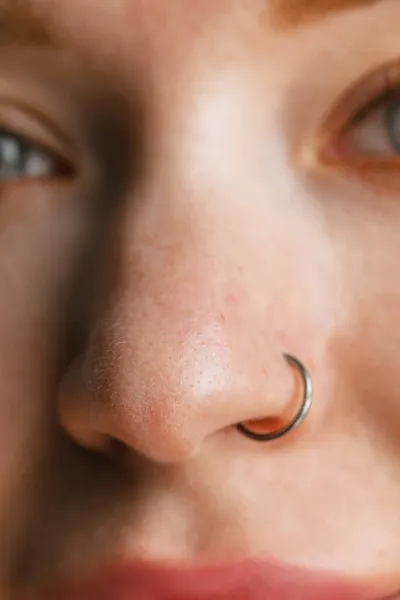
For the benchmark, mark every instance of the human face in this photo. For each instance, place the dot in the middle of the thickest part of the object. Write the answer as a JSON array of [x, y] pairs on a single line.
[[188, 191]]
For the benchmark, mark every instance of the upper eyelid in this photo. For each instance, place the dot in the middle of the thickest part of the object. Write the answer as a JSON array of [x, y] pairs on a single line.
[[30, 144], [23, 121], [374, 105], [368, 91], [62, 166]]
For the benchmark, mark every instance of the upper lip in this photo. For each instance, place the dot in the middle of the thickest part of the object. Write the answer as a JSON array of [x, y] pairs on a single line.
[[245, 580]]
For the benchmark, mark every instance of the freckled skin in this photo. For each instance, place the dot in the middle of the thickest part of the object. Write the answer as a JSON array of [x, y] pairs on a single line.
[[146, 305]]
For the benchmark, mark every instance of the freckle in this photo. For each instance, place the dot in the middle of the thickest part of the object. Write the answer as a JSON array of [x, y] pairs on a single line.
[[222, 317]]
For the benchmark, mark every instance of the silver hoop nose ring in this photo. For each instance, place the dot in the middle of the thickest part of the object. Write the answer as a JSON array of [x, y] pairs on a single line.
[[300, 416]]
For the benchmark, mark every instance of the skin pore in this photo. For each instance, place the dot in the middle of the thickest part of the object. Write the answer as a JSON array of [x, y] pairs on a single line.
[[187, 192]]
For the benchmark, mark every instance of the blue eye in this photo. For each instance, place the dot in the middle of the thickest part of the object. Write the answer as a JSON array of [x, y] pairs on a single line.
[[376, 134], [22, 160], [393, 124]]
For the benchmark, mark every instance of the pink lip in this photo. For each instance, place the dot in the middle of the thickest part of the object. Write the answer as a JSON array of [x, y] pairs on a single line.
[[247, 580]]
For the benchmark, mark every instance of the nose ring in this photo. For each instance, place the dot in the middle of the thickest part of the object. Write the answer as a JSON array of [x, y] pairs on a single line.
[[300, 416]]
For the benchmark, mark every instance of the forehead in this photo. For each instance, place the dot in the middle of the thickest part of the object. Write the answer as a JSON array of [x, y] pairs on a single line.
[[133, 16], [160, 32], [143, 26], [131, 35], [172, 16]]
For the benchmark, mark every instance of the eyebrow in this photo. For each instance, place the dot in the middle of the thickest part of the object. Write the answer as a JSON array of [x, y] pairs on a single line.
[[289, 14], [21, 24]]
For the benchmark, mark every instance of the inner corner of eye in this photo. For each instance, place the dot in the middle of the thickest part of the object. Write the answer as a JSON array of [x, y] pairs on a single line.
[[66, 168], [47, 165], [324, 150]]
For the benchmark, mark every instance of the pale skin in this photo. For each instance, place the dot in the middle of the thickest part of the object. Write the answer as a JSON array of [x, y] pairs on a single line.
[[149, 296]]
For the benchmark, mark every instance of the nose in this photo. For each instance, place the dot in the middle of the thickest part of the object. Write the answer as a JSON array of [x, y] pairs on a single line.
[[187, 340], [180, 350]]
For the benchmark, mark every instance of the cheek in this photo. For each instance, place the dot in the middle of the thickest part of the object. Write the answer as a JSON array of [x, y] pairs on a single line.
[[38, 245], [364, 344], [373, 334], [304, 287]]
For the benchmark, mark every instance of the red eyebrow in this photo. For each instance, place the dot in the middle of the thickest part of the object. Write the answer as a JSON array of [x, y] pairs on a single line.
[[22, 23], [293, 13]]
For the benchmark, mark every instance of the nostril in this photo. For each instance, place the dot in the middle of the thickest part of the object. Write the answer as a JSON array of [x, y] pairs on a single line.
[[266, 426], [90, 438], [272, 428], [119, 452]]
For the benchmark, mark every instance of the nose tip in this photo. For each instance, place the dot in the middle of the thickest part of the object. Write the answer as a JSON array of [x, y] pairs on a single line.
[[163, 396]]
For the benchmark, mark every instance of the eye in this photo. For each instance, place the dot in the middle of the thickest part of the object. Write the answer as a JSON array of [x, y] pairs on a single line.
[[20, 159], [365, 125], [375, 132]]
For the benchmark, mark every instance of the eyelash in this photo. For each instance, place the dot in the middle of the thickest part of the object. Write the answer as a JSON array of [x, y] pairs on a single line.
[[35, 143], [390, 94], [370, 94], [383, 86], [62, 168]]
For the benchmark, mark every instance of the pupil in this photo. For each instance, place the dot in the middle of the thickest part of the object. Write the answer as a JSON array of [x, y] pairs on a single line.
[[393, 124]]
